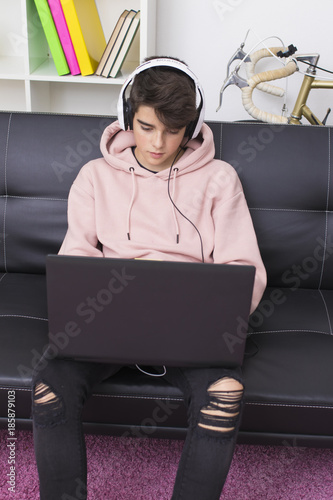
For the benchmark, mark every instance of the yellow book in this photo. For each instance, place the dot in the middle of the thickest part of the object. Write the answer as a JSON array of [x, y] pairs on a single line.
[[86, 32]]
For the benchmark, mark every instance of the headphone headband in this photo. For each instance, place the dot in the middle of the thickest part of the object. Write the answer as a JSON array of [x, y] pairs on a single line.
[[122, 106]]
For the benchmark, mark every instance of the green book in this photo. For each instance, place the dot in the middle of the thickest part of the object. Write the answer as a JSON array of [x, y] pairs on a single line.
[[52, 37]]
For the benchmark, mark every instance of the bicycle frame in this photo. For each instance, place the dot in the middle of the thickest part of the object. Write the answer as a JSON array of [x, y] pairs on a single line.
[[300, 107]]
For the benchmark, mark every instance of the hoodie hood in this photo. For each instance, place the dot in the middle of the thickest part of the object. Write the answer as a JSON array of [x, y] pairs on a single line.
[[116, 147]]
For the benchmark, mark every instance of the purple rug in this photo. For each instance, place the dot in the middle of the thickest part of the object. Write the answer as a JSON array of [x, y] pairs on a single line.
[[144, 469]]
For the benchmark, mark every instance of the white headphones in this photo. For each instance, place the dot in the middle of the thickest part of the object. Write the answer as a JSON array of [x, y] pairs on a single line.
[[124, 109]]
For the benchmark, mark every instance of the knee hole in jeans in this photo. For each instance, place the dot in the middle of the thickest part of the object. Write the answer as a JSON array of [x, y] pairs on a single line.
[[48, 407], [222, 412]]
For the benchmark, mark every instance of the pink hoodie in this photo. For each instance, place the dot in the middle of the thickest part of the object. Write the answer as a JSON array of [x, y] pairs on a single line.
[[118, 209]]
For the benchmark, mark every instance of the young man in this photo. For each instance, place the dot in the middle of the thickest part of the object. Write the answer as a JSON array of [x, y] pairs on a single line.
[[157, 193]]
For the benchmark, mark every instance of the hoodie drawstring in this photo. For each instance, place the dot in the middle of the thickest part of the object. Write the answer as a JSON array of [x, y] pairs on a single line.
[[131, 169], [175, 170]]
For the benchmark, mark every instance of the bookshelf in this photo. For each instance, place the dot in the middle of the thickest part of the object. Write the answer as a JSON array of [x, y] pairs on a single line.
[[28, 77]]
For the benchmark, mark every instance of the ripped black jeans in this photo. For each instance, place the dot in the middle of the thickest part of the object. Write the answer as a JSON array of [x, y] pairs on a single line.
[[60, 388]]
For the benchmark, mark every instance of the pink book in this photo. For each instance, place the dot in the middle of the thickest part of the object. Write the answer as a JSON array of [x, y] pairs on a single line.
[[65, 38]]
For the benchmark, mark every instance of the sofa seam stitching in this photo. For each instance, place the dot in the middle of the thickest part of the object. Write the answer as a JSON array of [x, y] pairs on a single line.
[[22, 316], [253, 403], [326, 221], [32, 198], [125, 396], [290, 210], [326, 309], [288, 330], [6, 195]]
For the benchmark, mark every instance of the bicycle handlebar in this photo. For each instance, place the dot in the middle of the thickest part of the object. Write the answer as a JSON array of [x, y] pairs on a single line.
[[261, 78], [250, 69]]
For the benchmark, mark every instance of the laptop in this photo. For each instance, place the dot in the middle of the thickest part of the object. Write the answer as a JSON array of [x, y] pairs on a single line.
[[146, 312]]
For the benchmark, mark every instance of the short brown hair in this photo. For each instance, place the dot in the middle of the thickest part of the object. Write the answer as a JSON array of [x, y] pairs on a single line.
[[169, 91]]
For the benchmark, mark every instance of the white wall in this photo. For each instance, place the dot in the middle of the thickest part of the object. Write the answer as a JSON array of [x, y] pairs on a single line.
[[205, 33]]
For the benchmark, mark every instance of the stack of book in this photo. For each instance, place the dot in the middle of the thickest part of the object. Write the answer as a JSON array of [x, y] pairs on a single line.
[[74, 33], [119, 44], [76, 39]]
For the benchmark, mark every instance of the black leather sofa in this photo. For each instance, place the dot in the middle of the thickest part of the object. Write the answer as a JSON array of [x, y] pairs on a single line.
[[288, 369]]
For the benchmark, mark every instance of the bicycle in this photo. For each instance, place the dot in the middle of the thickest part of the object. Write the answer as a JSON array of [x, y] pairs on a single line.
[[259, 81]]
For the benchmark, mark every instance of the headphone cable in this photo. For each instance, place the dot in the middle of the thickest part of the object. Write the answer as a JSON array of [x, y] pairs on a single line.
[[175, 206]]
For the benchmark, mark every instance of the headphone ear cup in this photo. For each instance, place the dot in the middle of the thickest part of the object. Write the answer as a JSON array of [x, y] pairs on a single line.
[[190, 129], [128, 115]]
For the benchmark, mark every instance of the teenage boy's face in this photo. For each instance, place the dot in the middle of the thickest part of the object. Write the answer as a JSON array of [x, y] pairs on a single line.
[[156, 144]]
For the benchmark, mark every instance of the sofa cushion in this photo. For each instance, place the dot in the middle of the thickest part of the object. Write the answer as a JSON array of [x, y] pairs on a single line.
[[23, 326], [39, 159], [286, 175]]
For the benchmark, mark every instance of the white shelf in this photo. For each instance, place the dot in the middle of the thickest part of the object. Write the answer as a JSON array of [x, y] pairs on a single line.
[[47, 72], [28, 77], [11, 68]]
